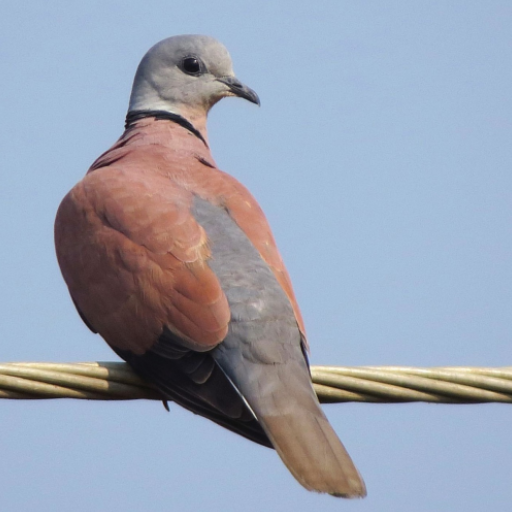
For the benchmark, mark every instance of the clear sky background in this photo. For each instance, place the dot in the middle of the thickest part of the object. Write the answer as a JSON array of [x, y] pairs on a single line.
[[382, 155]]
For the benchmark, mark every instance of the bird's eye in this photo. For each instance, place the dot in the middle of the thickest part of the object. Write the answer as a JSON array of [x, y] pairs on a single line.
[[191, 65]]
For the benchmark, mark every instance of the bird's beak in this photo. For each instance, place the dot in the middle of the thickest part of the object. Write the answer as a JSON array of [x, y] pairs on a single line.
[[237, 88]]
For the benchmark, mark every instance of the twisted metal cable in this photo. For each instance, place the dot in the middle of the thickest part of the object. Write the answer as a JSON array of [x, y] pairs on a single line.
[[383, 384]]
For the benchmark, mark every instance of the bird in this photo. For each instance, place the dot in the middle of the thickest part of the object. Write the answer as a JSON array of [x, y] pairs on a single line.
[[172, 261]]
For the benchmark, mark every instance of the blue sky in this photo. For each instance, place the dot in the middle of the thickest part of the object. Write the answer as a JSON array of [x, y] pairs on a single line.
[[382, 156]]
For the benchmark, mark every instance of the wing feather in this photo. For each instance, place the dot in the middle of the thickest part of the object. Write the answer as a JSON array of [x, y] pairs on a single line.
[[134, 259]]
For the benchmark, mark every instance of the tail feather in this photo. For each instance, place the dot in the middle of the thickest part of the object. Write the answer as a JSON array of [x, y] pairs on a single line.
[[284, 402], [312, 452]]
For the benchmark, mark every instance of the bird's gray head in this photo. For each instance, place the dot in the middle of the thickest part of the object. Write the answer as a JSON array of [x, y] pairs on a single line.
[[186, 75]]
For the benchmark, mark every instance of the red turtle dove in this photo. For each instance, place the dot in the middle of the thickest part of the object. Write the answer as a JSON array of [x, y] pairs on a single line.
[[173, 263]]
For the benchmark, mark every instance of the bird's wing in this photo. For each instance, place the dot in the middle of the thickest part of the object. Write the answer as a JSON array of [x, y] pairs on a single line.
[[135, 261]]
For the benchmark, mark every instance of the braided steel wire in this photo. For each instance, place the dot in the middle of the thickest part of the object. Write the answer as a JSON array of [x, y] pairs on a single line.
[[381, 384]]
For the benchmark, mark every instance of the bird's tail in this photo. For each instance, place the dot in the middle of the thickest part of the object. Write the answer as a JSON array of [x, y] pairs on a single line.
[[313, 453], [283, 400]]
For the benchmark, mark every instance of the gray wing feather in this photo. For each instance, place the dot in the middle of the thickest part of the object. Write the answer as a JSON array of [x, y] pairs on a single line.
[[263, 357]]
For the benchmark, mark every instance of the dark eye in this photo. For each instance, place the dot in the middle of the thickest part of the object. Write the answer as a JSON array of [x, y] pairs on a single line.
[[191, 65]]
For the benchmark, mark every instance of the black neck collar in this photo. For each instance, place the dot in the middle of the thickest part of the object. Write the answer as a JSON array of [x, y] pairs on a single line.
[[134, 115]]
